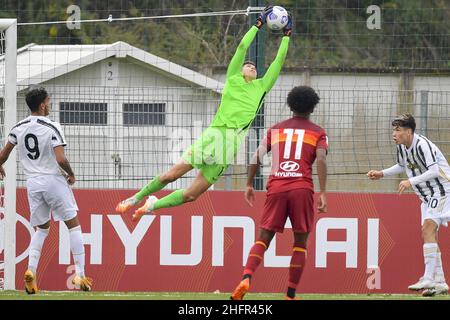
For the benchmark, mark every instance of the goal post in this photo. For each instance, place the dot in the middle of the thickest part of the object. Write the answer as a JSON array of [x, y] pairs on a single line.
[[8, 83]]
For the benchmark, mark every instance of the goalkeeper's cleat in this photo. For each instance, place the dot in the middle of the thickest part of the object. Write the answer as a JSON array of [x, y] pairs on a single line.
[[126, 204], [84, 283], [440, 288], [30, 282], [241, 290], [147, 208], [423, 283]]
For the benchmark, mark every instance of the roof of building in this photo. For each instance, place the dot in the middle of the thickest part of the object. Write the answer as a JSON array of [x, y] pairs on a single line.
[[40, 63]]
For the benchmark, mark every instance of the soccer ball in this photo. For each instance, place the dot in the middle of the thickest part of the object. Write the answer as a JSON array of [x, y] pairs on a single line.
[[278, 18]]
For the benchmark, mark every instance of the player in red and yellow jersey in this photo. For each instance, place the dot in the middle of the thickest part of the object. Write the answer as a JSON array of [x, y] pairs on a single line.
[[295, 144]]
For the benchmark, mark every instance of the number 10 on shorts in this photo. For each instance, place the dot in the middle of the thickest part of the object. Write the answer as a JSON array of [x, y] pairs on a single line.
[[437, 205]]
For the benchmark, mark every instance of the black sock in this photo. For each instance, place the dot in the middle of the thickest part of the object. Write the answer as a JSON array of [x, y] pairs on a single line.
[[291, 292], [247, 276]]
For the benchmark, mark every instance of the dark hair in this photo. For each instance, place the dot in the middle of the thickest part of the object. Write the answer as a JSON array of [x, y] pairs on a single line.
[[405, 120], [302, 99], [35, 97], [249, 62]]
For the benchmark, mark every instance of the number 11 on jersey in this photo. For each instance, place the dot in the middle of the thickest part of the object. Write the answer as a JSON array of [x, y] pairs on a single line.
[[298, 147]]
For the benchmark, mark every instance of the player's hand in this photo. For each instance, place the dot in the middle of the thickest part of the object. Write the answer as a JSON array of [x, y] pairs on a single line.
[[287, 30], [2, 173], [322, 207], [250, 195], [70, 179], [405, 184], [375, 175], [262, 18]]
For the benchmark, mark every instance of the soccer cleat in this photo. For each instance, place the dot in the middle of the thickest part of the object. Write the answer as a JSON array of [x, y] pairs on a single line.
[[241, 290], [147, 208], [423, 283], [84, 283], [289, 298], [30, 282], [126, 204], [440, 288]]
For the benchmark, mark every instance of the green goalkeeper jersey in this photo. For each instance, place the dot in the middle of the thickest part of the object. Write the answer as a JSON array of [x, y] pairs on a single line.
[[241, 100]]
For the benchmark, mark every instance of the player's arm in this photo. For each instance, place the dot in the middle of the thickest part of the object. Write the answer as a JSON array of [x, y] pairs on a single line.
[[252, 171], [395, 169], [4, 155], [430, 174], [254, 166], [274, 69], [64, 164], [378, 174], [426, 155], [238, 59], [321, 156]]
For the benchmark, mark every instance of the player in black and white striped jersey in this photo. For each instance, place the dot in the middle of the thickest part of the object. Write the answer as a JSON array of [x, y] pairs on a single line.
[[40, 143], [429, 175]]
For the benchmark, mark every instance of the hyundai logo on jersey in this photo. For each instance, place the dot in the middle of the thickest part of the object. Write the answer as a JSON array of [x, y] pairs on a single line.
[[289, 166]]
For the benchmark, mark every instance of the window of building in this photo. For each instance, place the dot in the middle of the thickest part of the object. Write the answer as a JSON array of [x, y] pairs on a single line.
[[144, 114], [83, 113]]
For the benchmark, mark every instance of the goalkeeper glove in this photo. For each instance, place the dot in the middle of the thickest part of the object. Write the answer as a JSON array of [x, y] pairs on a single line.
[[263, 16], [287, 30]]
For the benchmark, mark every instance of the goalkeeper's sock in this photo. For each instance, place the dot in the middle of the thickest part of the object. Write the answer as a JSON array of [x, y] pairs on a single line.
[[37, 241], [77, 248], [153, 186], [171, 200]]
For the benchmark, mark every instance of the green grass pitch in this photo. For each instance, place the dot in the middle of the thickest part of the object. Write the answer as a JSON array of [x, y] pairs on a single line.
[[102, 295]]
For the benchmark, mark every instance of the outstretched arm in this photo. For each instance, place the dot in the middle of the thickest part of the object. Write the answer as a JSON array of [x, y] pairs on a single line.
[[239, 57], [274, 70], [378, 174]]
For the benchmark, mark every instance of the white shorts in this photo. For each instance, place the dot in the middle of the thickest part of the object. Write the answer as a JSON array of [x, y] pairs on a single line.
[[437, 209], [50, 193]]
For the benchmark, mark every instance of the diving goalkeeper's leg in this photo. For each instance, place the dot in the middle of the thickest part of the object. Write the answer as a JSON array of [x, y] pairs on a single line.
[[156, 184], [176, 198]]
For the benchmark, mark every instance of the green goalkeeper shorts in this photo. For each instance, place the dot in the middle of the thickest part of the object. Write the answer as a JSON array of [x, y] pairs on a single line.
[[214, 151]]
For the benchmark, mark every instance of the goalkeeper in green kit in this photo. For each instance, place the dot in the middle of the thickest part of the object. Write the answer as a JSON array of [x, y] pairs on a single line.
[[217, 146]]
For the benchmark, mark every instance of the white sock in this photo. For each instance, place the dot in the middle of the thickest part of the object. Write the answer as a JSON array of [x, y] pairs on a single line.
[[37, 241], [439, 272], [430, 251], [77, 248]]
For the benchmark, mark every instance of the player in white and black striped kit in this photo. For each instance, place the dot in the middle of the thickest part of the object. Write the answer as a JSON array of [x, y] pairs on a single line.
[[40, 143], [429, 175]]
